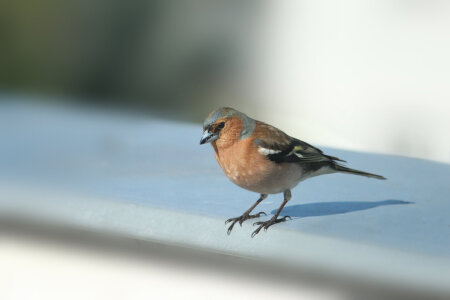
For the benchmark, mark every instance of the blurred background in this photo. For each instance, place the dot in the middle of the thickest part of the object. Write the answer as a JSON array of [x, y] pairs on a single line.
[[362, 75]]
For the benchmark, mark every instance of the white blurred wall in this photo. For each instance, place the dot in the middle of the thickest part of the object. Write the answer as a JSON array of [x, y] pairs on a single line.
[[364, 75], [34, 269]]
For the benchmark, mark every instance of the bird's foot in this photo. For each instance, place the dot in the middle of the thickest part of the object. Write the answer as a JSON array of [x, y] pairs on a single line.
[[241, 220], [267, 224]]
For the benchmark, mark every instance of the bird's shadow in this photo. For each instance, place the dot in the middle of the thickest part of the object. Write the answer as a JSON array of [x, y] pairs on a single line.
[[333, 208]]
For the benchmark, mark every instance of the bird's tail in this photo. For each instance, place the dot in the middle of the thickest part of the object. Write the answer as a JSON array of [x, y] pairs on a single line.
[[343, 169]]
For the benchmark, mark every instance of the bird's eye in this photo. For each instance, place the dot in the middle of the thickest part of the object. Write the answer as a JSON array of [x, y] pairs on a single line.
[[221, 125]]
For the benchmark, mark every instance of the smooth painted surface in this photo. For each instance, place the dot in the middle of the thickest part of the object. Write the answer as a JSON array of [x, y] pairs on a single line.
[[156, 182]]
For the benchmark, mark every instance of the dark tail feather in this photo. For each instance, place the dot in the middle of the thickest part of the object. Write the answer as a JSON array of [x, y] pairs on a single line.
[[334, 158], [356, 172]]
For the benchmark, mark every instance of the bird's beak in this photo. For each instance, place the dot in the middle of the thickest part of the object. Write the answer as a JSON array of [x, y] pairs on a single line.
[[208, 137]]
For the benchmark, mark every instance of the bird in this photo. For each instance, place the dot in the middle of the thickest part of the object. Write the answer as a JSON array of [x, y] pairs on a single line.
[[261, 158]]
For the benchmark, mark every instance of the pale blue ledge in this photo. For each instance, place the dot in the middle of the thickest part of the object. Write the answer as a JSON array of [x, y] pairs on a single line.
[[152, 180]]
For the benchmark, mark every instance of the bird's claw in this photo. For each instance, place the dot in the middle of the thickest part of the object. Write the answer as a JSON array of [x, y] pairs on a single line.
[[241, 220], [266, 224], [256, 232]]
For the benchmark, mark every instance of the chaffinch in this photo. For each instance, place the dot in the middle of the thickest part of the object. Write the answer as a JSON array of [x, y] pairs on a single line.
[[261, 158]]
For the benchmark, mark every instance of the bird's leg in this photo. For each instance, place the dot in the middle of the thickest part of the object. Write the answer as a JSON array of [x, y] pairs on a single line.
[[246, 215], [274, 220]]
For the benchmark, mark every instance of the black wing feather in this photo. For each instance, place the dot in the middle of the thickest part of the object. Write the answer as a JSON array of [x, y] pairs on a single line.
[[295, 151]]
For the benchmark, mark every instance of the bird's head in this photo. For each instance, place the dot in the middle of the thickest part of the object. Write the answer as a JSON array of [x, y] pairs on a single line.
[[226, 125]]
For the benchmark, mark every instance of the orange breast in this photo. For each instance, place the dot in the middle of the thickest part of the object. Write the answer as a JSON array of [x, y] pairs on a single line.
[[244, 165]]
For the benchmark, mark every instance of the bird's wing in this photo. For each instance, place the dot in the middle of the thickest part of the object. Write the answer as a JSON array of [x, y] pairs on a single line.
[[281, 148]]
